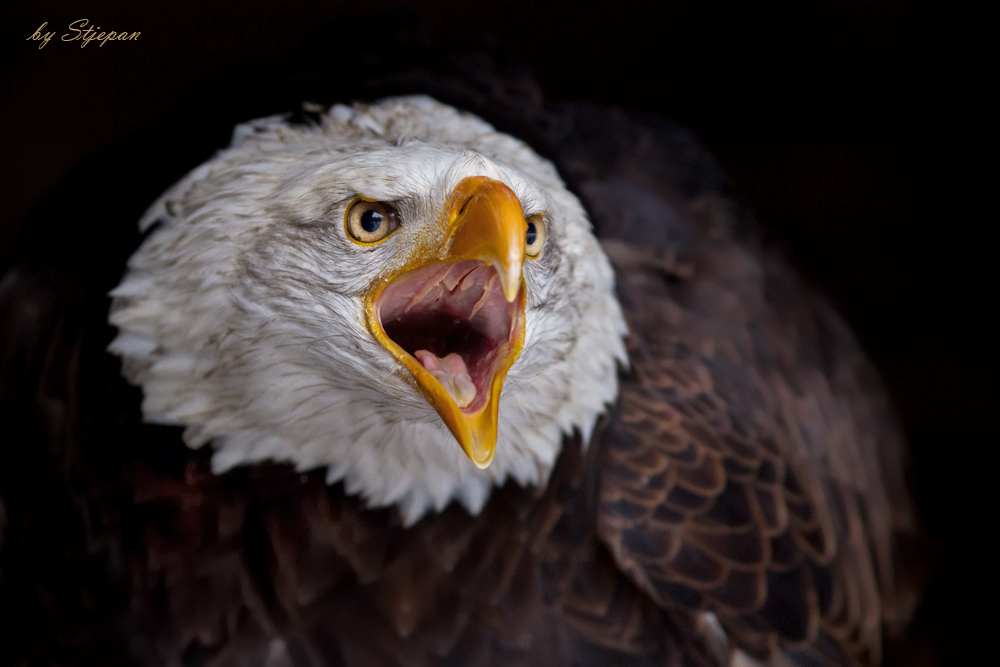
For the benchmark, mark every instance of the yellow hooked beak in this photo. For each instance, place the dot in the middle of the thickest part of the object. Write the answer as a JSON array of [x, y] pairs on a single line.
[[484, 224], [488, 225]]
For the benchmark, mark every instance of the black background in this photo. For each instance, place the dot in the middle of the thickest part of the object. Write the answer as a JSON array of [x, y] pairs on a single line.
[[856, 131]]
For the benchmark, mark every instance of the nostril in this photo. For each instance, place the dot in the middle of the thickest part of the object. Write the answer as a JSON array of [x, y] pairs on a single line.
[[465, 205]]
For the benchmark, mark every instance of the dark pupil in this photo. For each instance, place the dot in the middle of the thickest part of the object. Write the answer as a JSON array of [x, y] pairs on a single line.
[[532, 234], [371, 220]]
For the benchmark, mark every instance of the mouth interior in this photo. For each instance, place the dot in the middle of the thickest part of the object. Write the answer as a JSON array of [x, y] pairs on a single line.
[[453, 318]]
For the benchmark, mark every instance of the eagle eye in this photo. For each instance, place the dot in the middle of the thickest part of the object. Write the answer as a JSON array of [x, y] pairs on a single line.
[[534, 238], [370, 221]]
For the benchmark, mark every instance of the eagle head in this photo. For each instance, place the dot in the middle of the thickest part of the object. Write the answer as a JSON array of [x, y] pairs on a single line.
[[397, 292]]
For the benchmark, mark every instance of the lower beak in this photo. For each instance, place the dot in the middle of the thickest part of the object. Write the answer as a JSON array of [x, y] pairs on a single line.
[[485, 226]]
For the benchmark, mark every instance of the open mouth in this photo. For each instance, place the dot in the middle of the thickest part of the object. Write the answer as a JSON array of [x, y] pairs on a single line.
[[453, 319]]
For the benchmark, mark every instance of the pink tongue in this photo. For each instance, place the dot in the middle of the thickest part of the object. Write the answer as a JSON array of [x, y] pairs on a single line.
[[452, 373]]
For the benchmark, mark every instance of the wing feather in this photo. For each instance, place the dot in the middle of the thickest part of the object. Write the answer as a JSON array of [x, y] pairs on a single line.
[[754, 467]]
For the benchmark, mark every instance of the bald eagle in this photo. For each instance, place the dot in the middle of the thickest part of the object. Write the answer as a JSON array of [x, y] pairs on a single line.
[[401, 406]]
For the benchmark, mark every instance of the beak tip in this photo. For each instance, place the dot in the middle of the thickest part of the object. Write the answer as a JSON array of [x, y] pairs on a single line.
[[481, 449], [481, 459], [510, 281]]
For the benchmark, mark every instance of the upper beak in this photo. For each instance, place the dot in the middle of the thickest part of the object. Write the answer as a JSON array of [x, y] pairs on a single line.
[[484, 222], [487, 223]]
